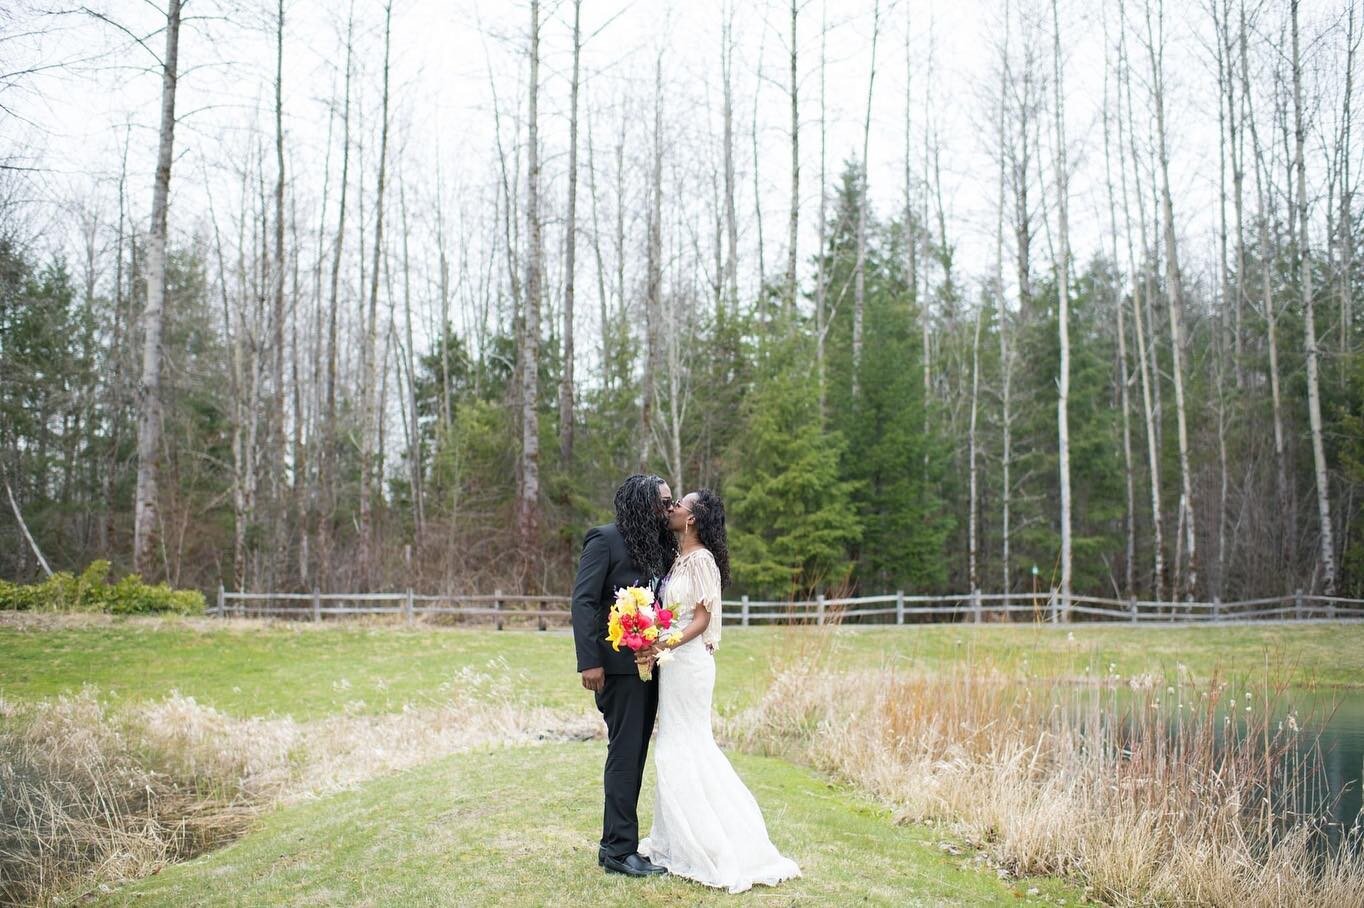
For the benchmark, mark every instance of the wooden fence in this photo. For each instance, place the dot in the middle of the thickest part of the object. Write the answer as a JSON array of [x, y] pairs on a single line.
[[502, 609]]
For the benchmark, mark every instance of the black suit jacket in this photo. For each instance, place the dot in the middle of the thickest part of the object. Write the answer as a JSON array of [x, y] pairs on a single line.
[[605, 566]]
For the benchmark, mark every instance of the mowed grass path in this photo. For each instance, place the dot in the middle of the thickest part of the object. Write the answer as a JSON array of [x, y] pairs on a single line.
[[306, 671], [517, 826]]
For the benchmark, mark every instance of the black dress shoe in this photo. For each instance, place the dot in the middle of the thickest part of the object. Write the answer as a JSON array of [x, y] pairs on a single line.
[[630, 865]]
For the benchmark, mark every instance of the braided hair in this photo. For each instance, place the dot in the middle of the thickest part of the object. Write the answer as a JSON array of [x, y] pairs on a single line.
[[709, 512], [644, 526]]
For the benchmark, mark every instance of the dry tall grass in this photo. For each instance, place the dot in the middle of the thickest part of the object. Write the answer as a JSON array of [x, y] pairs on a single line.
[[91, 796], [1149, 791]]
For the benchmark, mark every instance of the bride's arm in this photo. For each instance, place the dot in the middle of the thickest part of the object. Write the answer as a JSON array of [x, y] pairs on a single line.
[[700, 620]]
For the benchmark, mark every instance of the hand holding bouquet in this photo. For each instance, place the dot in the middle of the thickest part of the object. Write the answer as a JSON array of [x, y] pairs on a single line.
[[636, 622]]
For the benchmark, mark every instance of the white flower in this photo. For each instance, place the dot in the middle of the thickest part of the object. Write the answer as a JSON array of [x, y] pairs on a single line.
[[666, 656]]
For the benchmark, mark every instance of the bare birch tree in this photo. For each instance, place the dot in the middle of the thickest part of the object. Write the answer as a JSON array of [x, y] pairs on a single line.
[[147, 502], [793, 226], [1174, 286], [860, 272], [1328, 558], [570, 252], [1062, 313], [528, 491], [371, 408]]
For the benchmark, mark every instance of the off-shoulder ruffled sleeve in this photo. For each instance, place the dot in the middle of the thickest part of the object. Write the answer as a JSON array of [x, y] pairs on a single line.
[[695, 580], [706, 576]]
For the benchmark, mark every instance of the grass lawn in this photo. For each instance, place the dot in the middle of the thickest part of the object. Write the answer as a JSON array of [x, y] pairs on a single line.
[[312, 671], [518, 826]]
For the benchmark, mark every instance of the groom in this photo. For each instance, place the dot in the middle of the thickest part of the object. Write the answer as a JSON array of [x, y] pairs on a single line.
[[633, 551]]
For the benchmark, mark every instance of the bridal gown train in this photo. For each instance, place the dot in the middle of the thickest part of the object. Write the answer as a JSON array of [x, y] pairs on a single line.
[[707, 826]]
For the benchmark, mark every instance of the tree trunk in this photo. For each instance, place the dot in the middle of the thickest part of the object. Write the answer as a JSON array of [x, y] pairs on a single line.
[[793, 229], [331, 436], [603, 299], [859, 275], [570, 254], [654, 275], [371, 407], [974, 504], [757, 182], [1005, 359], [821, 278], [528, 495], [416, 457], [1236, 148], [1344, 230], [731, 209], [1129, 483], [1063, 317], [1141, 287], [279, 515], [1175, 289], [1328, 558], [147, 513]]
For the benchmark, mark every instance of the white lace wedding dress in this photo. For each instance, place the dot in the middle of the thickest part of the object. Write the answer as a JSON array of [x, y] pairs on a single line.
[[707, 826]]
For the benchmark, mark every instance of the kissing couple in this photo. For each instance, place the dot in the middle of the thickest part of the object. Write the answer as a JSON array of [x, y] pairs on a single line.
[[707, 826]]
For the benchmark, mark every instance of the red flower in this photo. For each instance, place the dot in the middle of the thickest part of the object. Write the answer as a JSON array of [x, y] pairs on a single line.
[[634, 641], [665, 618], [644, 621]]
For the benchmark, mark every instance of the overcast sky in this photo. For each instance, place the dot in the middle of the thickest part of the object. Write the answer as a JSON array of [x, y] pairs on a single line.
[[71, 123]]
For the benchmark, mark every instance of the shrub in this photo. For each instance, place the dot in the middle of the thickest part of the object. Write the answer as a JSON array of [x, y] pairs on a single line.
[[91, 592]]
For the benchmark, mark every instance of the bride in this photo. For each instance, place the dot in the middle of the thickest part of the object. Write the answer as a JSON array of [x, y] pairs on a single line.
[[707, 826]]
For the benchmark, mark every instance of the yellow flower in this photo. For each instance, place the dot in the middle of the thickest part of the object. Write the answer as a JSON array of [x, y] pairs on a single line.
[[626, 600], [650, 633], [614, 634]]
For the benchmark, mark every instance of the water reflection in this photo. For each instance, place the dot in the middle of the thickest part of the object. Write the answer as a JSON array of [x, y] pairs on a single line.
[[1338, 718], [1315, 737]]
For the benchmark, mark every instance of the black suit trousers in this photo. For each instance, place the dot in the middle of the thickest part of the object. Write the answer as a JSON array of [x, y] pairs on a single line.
[[629, 706]]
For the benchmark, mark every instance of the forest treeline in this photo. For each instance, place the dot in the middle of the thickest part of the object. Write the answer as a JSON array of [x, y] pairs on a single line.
[[323, 388]]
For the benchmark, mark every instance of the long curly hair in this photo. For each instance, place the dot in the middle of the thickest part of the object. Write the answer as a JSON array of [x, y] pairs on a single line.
[[709, 511], [644, 525]]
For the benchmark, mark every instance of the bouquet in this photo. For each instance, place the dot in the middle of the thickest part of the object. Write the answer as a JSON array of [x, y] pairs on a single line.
[[636, 622]]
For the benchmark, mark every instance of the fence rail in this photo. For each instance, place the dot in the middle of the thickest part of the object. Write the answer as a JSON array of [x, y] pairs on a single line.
[[521, 610]]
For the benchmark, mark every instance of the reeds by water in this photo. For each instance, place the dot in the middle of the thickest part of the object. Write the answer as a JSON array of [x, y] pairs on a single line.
[[1147, 790]]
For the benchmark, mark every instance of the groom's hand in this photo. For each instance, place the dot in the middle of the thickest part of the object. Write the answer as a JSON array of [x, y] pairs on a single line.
[[594, 679]]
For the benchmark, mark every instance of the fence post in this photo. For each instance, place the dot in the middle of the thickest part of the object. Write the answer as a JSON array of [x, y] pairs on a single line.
[[743, 610], [819, 609], [317, 605], [1330, 610], [497, 607], [1217, 608], [221, 597], [1132, 608], [899, 606], [1055, 606], [1297, 604], [407, 607], [541, 606], [975, 606]]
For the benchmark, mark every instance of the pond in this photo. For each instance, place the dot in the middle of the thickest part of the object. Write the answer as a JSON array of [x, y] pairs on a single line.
[[1338, 718]]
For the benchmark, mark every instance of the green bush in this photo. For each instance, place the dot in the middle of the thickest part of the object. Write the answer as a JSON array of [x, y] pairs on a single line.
[[91, 592]]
